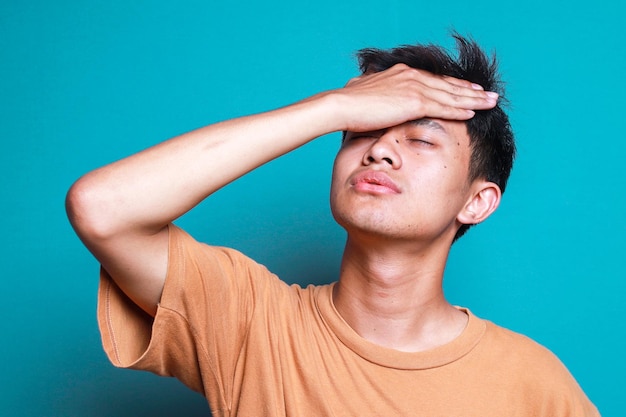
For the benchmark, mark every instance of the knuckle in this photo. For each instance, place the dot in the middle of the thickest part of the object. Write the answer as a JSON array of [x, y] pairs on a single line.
[[400, 66], [455, 89], [354, 80], [455, 98], [406, 70]]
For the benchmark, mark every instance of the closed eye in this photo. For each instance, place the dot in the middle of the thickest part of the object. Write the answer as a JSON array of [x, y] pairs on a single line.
[[356, 136], [421, 142], [351, 136]]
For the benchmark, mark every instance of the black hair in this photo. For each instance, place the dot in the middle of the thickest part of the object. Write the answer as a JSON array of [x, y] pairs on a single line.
[[490, 133]]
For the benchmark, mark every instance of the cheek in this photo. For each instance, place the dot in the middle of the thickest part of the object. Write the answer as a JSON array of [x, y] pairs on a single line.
[[337, 179], [342, 167], [440, 187], [454, 171], [336, 173]]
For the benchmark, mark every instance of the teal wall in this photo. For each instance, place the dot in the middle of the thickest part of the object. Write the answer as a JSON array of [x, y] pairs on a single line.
[[83, 83]]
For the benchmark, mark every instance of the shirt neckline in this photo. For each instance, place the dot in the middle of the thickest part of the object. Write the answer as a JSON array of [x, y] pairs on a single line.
[[391, 358]]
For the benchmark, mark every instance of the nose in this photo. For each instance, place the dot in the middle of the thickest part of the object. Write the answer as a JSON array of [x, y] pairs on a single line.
[[384, 150]]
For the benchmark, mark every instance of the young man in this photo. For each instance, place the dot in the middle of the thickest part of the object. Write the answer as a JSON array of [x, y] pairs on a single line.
[[426, 153]]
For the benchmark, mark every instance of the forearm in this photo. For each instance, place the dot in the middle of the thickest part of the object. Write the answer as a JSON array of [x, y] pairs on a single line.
[[148, 190]]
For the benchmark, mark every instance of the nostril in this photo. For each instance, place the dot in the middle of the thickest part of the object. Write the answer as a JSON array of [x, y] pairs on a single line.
[[370, 158], [388, 160]]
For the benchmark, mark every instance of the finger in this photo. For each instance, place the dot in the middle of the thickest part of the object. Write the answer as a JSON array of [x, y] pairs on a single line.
[[450, 84], [463, 83], [463, 102], [442, 111], [460, 88], [462, 96]]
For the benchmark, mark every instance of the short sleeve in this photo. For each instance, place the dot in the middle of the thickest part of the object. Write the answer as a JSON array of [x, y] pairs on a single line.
[[204, 313]]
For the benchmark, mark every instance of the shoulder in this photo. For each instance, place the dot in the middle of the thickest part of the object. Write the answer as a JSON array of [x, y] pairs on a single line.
[[507, 337], [535, 373], [521, 350]]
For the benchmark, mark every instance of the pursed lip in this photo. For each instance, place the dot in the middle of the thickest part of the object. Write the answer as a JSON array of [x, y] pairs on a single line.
[[374, 181]]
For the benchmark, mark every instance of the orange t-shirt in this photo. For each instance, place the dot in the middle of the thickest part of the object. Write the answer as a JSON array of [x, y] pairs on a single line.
[[255, 346]]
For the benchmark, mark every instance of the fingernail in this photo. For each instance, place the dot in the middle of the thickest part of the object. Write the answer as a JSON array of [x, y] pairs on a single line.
[[491, 94], [477, 86]]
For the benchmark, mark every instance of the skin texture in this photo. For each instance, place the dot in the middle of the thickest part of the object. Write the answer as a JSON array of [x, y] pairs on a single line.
[[398, 241], [402, 193], [428, 165]]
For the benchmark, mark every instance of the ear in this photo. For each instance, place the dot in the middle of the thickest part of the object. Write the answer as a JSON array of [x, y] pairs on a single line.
[[484, 200]]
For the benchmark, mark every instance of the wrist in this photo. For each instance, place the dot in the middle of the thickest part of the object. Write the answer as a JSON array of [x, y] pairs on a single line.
[[325, 112], [338, 106]]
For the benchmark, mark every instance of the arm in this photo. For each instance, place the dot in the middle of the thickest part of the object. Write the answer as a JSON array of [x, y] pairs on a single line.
[[121, 211]]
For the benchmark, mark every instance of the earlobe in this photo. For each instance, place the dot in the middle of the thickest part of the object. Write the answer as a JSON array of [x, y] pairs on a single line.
[[484, 201]]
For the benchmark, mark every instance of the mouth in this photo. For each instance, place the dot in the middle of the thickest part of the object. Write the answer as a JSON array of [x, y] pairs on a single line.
[[375, 182]]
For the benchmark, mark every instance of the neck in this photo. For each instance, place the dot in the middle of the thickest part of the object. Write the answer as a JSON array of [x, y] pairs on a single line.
[[392, 295]]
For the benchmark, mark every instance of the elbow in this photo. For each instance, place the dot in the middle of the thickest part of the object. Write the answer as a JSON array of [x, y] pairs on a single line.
[[87, 211]]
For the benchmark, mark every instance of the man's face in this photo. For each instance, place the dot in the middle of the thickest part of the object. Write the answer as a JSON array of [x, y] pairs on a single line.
[[406, 182]]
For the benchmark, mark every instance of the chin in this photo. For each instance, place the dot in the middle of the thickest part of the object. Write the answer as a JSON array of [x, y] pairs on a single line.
[[367, 223], [376, 225]]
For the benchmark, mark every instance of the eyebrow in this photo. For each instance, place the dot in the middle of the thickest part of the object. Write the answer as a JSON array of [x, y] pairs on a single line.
[[429, 123], [424, 122]]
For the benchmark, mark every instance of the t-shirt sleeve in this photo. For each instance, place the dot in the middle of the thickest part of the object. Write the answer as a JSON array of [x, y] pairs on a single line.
[[204, 313], [537, 378]]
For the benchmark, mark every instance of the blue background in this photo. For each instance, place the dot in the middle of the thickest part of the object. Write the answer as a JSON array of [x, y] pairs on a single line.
[[86, 83]]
